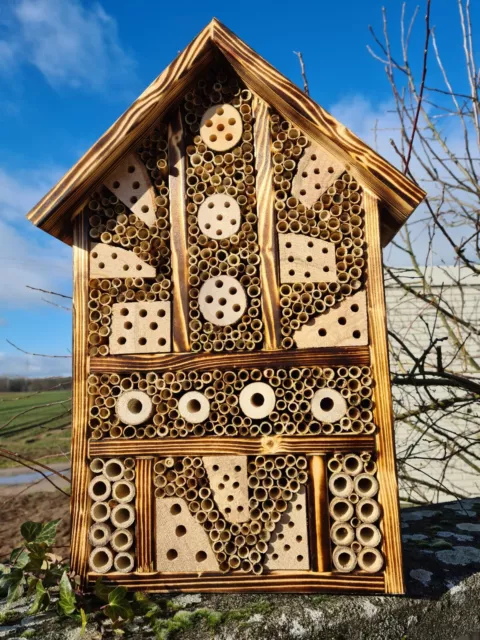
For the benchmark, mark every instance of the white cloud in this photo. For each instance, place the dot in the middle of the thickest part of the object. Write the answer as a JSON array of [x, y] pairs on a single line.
[[13, 364], [70, 44], [28, 255]]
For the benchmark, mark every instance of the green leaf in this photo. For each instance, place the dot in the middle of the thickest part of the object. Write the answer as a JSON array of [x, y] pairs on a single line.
[[67, 602], [13, 583], [30, 530], [19, 557], [102, 591], [118, 606], [37, 552], [42, 599], [83, 617], [48, 532]]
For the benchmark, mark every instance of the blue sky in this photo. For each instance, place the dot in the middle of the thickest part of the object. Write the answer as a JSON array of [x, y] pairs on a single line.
[[69, 68]]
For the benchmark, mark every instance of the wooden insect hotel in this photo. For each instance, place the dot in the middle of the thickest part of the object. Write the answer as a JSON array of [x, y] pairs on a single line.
[[232, 426]]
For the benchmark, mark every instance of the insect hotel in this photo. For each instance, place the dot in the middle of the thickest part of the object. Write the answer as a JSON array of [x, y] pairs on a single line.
[[232, 426]]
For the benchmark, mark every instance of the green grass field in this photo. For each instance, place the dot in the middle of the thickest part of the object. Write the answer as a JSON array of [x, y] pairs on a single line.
[[37, 425]]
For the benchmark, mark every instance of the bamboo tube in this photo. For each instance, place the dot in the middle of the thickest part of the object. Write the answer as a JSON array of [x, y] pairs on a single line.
[[340, 484], [99, 534], [123, 516], [97, 465], [101, 560], [368, 535], [124, 562], [370, 560], [100, 511], [352, 464], [123, 491], [342, 534], [344, 559], [366, 485], [368, 510], [341, 509], [99, 488], [121, 540]]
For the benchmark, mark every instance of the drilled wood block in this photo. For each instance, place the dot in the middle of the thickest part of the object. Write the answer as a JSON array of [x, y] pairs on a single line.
[[219, 216], [317, 170], [221, 127], [140, 327], [222, 300], [288, 547], [107, 261], [304, 259], [344, 325], [181, 543], [229, 484], [130, 182]]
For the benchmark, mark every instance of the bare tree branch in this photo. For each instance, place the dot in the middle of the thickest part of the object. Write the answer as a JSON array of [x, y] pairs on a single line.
[[304, 74]]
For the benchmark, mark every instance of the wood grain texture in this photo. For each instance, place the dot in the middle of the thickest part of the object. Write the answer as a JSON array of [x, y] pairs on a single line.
[[329, 357], [318, 509], [383, 416], [80, 501], [224, 445], [54, 212], [400, 194], [275, 582], [144, 521], [178, 225], [267, 235]]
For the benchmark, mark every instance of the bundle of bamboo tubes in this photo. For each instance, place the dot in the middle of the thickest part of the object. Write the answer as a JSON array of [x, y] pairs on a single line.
[[272, 483], [224, 179], [337, 217], [197, 403], [112, 532], [354, 512], [112, 223]]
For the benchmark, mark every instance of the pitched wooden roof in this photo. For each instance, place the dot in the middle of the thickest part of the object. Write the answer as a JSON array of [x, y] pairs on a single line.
[[399, 196]]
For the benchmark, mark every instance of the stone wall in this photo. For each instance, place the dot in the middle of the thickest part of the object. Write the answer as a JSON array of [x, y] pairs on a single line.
[[412, 319]]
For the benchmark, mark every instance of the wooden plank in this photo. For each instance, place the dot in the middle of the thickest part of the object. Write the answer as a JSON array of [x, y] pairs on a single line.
[[53, 213], [144, 508], [267, 234], [383, 415], [320, 530], [225, 445], [395, 190], [80, 501], [178, 238], [277, 581], [329, 357]]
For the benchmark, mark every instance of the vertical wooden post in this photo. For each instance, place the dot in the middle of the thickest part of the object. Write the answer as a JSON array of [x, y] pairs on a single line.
[[318, 511], [80, 501], [144, 509], [267, 234], [178, 230], [383, 413]]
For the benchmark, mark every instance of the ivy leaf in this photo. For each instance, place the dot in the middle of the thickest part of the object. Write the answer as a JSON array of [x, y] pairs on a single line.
[[13, 583], [67, 602], [118, 605], [48, 532], [30, 530], [102, 591], [19, 557], [42, 599], [37, 552]]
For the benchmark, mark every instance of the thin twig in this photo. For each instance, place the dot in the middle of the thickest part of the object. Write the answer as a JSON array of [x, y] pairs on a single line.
[[29, 353], [56, 305], [304, 74], [422, 86], [52, 293]]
